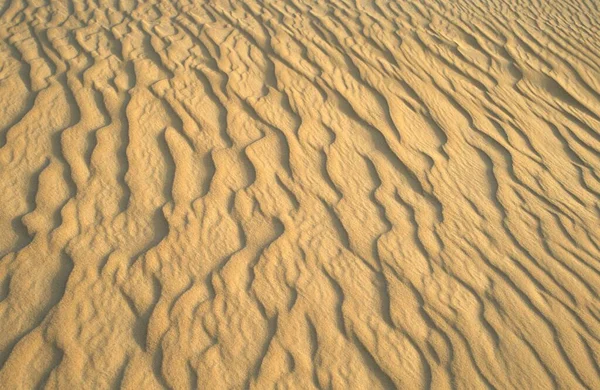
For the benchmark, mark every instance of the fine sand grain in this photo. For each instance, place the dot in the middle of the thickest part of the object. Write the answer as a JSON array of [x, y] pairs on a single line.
[[295, 194]]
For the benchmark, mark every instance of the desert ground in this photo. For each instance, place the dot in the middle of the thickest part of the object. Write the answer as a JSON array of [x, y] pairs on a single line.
[[295, 194]]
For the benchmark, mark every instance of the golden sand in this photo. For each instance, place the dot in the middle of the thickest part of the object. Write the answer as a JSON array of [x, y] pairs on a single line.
[[299, 194]]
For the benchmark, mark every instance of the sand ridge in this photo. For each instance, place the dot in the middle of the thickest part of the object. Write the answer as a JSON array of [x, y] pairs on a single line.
[[299, 194]]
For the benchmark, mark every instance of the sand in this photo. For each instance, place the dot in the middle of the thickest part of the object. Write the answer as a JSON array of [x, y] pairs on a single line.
[[299, 194]]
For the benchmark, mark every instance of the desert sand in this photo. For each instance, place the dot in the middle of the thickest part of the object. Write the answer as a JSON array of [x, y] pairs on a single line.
[[299, 194]]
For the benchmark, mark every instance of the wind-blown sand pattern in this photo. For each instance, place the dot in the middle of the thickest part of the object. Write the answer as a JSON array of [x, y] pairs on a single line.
[[299, 194]]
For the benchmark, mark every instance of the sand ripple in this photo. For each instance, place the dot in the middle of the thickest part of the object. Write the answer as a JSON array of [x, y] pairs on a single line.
[[299, 194]]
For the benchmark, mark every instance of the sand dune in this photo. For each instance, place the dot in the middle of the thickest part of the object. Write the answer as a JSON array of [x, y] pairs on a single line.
[[299, 194]]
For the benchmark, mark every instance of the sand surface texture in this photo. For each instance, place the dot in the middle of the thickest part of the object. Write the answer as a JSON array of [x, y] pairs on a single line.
[[299, 194]]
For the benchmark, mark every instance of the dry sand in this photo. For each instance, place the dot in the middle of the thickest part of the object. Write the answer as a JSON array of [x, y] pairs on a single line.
[[299, 194]]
